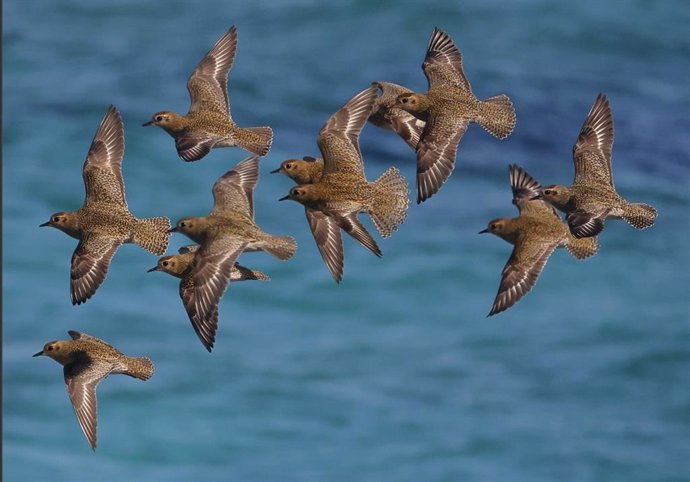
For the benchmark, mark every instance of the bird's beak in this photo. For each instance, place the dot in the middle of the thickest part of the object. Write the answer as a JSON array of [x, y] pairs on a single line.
[[483, 231], [38, 354], [284, 198], [47, 223], [275, 170], [147, 123], [155, 268], [172, 230]]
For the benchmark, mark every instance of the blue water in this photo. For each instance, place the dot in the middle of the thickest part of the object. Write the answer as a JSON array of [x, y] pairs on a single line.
[[396, 374]]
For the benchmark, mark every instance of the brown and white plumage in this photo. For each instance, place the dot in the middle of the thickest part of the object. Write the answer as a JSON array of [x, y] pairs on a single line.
[[343, 192], [384, 115], [447, 108], [208, 124], [535, 234], [592, 198], [87, 360], [104, 222]]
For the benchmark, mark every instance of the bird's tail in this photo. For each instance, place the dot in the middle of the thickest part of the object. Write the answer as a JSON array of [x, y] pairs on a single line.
[[582, 248], [391, 201], [139, 367], [282, 247], [256, 140], [152, 234], [639, 215], [497, 116]]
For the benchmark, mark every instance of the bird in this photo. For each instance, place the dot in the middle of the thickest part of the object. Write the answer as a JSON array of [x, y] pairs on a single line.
[[208, 123], [385, 116], [104, 222], [535, 234], [223, 235], [181, 266], [448, 107], [592, 198], [307, 170], [87, 360], [334, 202]]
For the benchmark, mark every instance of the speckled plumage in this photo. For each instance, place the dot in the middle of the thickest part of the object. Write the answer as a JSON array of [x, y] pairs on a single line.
[[209, 123], [307, 170], [87, 360], [342, 192], [104, 222], [592, 198], [182, 266], [535, 234], [384, 115], [448, 107], [223, 235]]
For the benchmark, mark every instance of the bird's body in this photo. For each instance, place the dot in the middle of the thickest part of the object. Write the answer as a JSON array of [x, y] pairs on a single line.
[[535, 234], [334, 201], [223, 235], [104, 222], [592, 198], [209, 123], [447, 109], [87, 360], [385, 116]]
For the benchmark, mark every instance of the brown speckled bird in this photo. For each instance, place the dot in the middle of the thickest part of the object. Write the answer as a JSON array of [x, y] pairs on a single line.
[[535, 234], [384, 115], [209, 124], [307, 170], [448, 107], [87, 360], [104, 222], [334, 201], [592, 198], [223, 235], [182, 266]]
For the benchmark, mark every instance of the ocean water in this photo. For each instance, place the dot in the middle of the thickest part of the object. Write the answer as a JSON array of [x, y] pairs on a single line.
[[395, 374]]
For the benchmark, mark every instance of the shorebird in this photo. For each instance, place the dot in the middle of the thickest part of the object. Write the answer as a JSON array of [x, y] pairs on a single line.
[[592, 198], [535, 234], [448, 107], [384, 115], [307, 170], [182, 266], [223, 235], [209, 124], [334, 202], [104, 222], [87, 360]]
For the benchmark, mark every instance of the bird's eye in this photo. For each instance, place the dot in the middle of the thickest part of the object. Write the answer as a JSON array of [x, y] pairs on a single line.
[[182, 225], [493, 226], [165, 263], [159, 118], [50, 348], [56, 219], [404, 100], [548, 191], [288, 166]]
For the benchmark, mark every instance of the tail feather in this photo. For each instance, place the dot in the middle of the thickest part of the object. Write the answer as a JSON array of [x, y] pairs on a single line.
[[139, 367], [256, 140], [152, 234], [582, 248], [391, 201], [497, 116], [639, 215], [282, 247]]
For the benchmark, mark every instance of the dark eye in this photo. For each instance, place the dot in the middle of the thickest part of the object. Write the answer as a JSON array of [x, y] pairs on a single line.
[[165, 263], [493, 226], [50, 348], [404, 100], [56, 219], [159, 118], [288, 166], [182, 225], [548, 191]]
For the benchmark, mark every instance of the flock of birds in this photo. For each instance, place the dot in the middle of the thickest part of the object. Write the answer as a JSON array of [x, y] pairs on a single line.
[[333, 190]]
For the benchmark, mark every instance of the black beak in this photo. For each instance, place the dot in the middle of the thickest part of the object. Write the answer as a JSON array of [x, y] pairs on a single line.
[[275, 170], [147, 123], [483, 231], [38, 354], [284, 198], [172, 230], [47, 223], [155, 268]]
